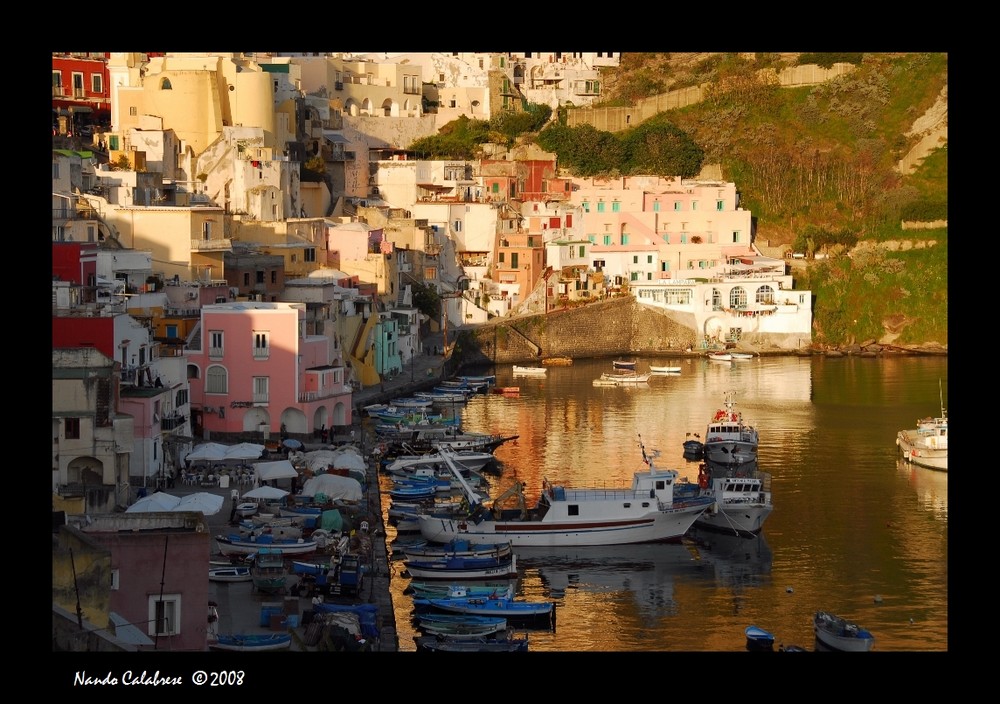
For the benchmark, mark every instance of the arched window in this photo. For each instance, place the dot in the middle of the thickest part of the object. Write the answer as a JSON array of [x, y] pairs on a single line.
[[765, 295], [737, 297], [216, 380], [165, 84]]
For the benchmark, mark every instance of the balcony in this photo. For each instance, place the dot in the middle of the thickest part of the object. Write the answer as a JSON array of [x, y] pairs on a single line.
[[212, 245], [173, 422]]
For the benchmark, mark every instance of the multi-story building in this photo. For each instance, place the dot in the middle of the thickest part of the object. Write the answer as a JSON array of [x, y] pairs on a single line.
[[254, 370], [140, 572], [80, 91]]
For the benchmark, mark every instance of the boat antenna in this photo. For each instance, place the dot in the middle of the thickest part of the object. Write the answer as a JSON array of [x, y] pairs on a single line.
[[941, 394]]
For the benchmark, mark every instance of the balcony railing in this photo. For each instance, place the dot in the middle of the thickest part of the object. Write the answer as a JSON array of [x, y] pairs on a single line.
[[213, 244], [260, 398], [172, 422], [261, 353]]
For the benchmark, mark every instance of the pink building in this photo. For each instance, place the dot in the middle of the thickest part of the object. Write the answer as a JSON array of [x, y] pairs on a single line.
[[159, 568], [258, 371]]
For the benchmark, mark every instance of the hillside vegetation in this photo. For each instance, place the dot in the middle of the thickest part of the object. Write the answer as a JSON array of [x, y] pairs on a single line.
[[816, 165]]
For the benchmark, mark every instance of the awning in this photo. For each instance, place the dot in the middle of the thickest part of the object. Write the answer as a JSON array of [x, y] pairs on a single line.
[[334, 138]]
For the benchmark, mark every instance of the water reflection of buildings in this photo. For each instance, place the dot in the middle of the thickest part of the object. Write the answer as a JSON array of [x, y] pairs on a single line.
[[931, 487]]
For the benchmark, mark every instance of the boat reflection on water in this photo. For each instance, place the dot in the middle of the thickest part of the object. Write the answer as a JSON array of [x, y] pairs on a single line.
[[646, 574], [931, 486]]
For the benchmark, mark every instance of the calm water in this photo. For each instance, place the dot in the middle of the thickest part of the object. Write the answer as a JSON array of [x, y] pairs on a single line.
[[855, 531]]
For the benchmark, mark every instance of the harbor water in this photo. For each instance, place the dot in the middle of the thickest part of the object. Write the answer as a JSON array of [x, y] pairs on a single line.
[[855, 530]]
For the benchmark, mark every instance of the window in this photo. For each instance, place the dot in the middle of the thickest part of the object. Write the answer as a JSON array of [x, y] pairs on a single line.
[[600, 206], [259, 277], [684, 238], [513, 260], [649, 276], [77, 85], [586, 207], [216, 380], [694, 205], [310, 256], [206, 230], [57, 83], [649, 258], [719, 205], [215, 347], [458, 226], [592, 238], [634, 276], [96, 83], [165, 84], [635, 259], [181, 398], [736, 236], [72, 426], [502, 257], [133, 111], [677, 205], [583, 251], [261, 348], [495, 187], [246, 278], [624, 238], [164, 615], [260, 387], [274, 276], [607, 239]]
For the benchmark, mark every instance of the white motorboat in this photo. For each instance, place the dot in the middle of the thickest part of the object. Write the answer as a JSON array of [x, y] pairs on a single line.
[[927, 444], [530, 371], [645, 512]]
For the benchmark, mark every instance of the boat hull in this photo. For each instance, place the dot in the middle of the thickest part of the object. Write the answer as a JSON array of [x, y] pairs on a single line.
[[234, 547], [838, 634], [252, 642], [915, 451], [650, 527]]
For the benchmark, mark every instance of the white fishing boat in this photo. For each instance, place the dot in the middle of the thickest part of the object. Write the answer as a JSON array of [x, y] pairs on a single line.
[[730, 442], [742, 498], [720, 357], [645, 512], [655, 369], [529, 371], [927, 444]]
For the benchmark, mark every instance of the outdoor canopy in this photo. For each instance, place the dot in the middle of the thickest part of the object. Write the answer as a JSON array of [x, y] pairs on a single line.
[[282, 469]]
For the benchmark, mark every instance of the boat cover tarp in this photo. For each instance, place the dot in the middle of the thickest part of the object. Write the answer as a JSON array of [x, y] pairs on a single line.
[[332, 521], [334, 486], [367, 614]]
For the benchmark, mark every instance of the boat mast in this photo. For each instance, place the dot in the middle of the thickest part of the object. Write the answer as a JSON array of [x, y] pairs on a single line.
[[467, 489]]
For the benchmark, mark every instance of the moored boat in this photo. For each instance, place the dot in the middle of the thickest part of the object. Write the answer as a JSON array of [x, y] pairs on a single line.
[[625, 377], [742, 498], [252, 642], [645, 512], [529, 371], [758, 638], [927, 444], [463, 568], [237, 545], [730, 442], [457, 548], [482, 644], [624, 363], [840, 634], [231, 573], [720, 357], [459, 625], [268, 571], [557, 361], [655, 369]]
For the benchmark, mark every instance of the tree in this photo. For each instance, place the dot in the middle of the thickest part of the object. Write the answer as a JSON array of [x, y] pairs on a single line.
[[426, 299]]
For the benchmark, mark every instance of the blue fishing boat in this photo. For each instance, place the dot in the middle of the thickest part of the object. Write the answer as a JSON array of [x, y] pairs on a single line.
[[463, 568], [758, 638], [511, 609], [506, 643], [252, 642]]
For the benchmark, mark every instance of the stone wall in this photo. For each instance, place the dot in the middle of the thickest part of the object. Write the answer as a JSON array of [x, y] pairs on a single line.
[[616, 327], [617, 119]]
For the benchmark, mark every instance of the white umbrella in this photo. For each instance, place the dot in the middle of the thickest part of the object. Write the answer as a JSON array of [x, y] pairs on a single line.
[[154, 502], [209, 451], [244, 451], [265, 492], [209, 504]]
